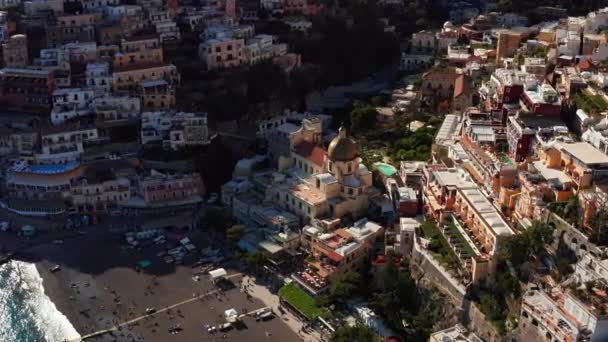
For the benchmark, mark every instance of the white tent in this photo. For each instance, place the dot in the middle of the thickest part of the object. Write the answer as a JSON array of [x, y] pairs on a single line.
[[231, 315], [218, 274]]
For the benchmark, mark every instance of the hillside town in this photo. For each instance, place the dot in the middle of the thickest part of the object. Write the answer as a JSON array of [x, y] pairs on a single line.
[[167, 162]]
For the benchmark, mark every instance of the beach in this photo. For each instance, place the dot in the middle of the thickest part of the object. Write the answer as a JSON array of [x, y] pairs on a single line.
[[98, 287]]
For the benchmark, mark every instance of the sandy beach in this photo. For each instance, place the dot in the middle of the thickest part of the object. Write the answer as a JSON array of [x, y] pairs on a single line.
[[99, 287]]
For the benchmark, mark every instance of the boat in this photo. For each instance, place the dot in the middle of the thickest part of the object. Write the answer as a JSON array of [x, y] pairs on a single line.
[[55, 268]]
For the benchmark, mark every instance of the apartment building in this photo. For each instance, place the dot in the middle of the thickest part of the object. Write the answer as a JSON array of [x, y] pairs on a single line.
[[563, 316], [130, 77], [336, 252], [440, 186], [486, 227], [457, 333], [102, 185], [41, 182], [116, 108], [53, 58], [26, 89], [139, 51], [71, 28], [168, 31], [99, 78], [64, 143], [14, 51], [157, 95], [34, 7], [164, 188], [95, 6], [174, 130], [508, 43], [541, 99], [220, 53], [580, 161], [69, 103]]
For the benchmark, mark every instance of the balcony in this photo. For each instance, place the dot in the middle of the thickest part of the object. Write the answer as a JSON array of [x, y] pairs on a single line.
[[311, 280]]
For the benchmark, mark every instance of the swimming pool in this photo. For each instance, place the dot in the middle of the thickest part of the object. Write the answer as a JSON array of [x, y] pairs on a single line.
[[387, 170], [52, 169]]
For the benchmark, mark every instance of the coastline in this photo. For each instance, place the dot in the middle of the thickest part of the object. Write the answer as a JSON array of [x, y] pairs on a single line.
[[98, 288]]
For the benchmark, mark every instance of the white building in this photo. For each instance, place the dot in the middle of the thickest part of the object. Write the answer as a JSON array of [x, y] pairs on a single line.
[[53, 58], [4, 34], [34, 7], [457, 333], [562, 317], [167, 31], [301, 25], [415, 62], [117, 12], [64, 143], [405, 235], [174, 130], [98, 5], [4, 4], [81, 51], [511, 20], [99, 78], [117, 108], [69, 103]]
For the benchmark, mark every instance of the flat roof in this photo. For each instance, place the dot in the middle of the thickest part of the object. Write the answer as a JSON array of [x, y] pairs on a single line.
[[452, 177], [585, 152], [487, 211], [447, 127]]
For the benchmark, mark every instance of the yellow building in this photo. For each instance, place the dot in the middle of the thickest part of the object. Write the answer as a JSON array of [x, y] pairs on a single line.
[[336, 252], [579, 161], [482, 221], [508, 43], [129, 77], [138, 51]]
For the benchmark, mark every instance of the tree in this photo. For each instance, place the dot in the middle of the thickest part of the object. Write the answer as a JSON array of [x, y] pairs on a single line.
[[345, 286], [235, 233], [358, 333], [519, 248], [257, 259], [362, 117]]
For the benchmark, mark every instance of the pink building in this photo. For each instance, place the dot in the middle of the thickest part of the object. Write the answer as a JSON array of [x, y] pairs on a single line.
[[230, 8], [311, 10], [160, 187], [294, 6]]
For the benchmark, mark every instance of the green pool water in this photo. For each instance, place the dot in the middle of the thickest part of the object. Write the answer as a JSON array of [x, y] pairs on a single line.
[[386, 169]]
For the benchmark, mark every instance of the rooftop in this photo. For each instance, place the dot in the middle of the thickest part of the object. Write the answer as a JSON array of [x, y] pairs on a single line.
[[487, 211], [585, 152], [545, 306], [448, 127], [452, 177], [143, 66], [457, 333], [510, 77], [311, 152]]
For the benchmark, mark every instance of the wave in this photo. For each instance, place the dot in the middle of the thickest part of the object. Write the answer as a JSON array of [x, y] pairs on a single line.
[[28, 313]]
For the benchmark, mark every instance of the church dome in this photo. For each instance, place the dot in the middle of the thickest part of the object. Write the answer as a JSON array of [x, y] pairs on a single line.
[[448, 25], [342, 148]]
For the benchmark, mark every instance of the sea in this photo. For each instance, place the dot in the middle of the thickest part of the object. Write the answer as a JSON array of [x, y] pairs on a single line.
[[27, 314]]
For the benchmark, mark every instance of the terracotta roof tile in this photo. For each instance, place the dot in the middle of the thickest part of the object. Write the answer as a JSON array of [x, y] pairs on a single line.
[[311, 152]]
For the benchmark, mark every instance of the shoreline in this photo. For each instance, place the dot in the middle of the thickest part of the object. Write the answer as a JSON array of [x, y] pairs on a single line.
[[98, 287]]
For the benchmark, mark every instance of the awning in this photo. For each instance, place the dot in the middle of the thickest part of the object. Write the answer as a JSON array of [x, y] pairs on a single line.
[[218, 273]]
